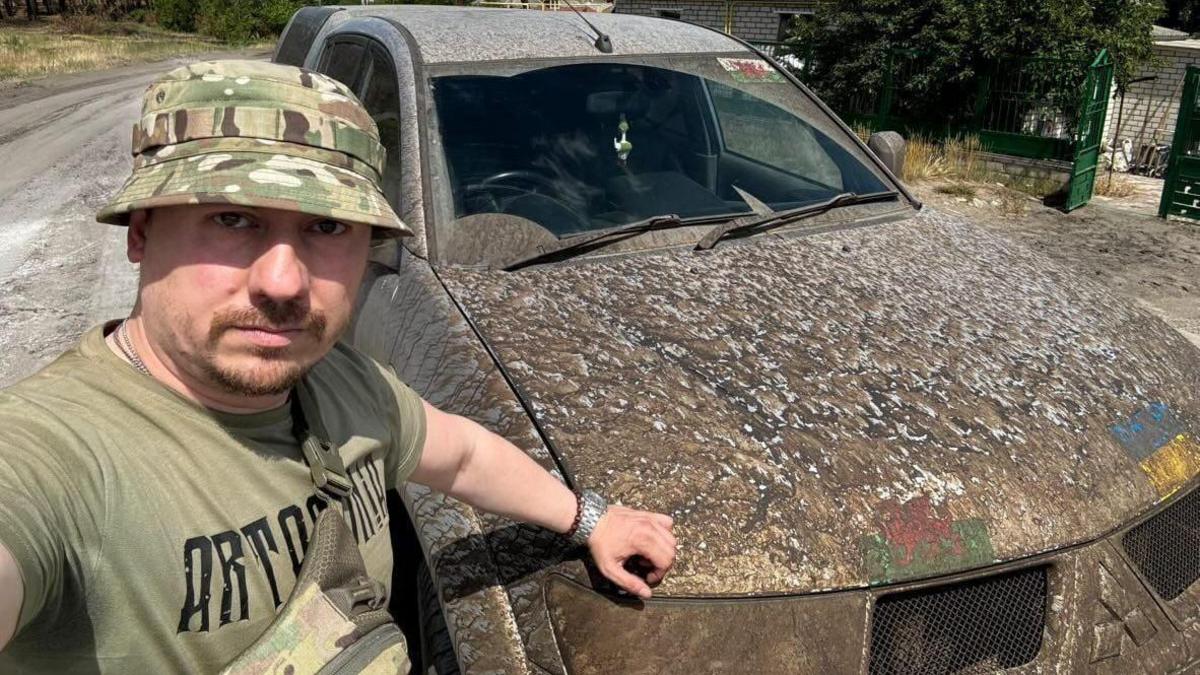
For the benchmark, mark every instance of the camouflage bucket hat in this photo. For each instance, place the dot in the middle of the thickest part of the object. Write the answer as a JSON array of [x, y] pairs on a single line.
[[256, 134]]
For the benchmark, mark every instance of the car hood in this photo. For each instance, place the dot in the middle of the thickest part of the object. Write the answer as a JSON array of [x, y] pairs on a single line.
[[848, 408]]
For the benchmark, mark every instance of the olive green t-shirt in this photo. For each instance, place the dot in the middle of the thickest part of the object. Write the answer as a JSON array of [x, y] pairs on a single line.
[[156, 536]]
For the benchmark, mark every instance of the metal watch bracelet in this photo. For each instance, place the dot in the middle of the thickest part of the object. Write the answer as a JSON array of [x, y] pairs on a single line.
[[591, 507]]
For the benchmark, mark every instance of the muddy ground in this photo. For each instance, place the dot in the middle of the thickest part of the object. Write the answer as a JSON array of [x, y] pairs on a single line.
[[1118, 241]]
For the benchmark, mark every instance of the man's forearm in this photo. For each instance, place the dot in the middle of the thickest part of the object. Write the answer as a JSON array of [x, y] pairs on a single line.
[[470, 463], [496, 476]]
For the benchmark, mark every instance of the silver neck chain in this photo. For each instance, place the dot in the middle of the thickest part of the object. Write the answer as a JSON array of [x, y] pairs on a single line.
[[126, 347]]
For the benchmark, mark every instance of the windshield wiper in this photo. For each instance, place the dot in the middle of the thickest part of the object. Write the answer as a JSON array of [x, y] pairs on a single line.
[[789, 215], [580, 241]]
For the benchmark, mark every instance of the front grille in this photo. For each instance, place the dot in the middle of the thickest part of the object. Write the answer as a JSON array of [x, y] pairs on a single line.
[[977, 626], [1166, 548]]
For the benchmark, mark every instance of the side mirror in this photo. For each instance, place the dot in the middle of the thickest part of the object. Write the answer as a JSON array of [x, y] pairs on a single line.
[[890, 148]]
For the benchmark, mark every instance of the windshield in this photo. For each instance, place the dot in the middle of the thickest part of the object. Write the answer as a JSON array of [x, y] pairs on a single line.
[[588, 146]]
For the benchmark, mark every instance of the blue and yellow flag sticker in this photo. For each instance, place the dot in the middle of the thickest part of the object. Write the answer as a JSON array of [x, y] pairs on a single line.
[[1156, 438]]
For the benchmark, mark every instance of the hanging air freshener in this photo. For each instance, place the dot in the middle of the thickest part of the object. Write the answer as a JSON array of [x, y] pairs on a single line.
[[622, 144]]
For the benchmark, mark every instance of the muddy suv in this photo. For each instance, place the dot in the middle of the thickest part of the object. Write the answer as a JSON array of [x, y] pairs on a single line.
[[891, 441]]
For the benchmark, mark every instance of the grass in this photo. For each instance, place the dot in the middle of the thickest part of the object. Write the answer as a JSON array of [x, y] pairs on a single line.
[[957, 190], [53, 46]]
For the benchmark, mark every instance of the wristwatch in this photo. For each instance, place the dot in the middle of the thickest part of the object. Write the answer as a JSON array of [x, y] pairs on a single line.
[[590, 507]]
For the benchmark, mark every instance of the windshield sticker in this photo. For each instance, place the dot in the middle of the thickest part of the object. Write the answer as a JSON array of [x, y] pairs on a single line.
[[751, 70], [622, 144]]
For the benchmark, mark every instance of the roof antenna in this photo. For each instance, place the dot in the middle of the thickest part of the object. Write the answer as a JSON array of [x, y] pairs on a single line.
[[603, 43]]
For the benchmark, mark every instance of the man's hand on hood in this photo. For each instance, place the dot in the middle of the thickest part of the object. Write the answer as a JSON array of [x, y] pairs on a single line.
[[626, 538]]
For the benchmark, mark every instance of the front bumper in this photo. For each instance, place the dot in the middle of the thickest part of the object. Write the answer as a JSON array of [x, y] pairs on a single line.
[[1096, 611]]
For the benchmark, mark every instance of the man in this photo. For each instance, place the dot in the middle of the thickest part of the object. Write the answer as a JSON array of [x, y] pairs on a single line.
[[154, 503]]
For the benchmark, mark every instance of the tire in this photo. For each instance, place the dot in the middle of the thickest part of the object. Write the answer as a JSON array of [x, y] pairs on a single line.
[[437, 649]]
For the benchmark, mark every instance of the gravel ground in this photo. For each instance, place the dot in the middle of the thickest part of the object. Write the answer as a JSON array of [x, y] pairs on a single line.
[[1120, 242]]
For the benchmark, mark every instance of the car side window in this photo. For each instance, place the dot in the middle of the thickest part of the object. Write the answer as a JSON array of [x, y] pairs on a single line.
[[762, 132], [342, 60], [381, 97]]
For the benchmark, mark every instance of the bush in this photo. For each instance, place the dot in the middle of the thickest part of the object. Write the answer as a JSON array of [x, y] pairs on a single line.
[[90, 24], [227, 20], [104, 9], [177, 15], [276, 13], [949, 45], [244, 20], [82, 24]]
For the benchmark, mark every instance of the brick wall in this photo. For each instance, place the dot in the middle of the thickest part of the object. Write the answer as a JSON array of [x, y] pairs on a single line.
[[1152, 107], [709, 13], [755, 21]]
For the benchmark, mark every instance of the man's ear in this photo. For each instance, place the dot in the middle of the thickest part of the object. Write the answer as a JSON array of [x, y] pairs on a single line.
[[135, 237]]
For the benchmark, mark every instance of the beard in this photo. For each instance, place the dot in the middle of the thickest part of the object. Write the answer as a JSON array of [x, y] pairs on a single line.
[[276, 369]]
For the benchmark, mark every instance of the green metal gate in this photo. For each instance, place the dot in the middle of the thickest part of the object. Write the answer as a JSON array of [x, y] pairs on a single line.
[[1181, 189], [1035, 107], [1089, 134]]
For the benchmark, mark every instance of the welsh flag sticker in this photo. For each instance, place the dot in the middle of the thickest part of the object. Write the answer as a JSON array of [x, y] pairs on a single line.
[[750, 70]]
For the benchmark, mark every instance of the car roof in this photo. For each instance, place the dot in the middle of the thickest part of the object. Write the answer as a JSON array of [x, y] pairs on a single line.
[[446, 34]]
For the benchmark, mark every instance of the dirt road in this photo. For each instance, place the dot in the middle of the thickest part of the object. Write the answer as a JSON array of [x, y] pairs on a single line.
[[64, 148], [1119, 242]]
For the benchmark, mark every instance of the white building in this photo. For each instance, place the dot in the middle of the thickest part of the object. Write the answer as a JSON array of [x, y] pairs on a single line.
[[1152, 106]]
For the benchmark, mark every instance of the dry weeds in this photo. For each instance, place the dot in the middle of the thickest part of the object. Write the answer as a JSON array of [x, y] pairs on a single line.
[[956, 167], [50, 48], [1116, 186], [956, 158]]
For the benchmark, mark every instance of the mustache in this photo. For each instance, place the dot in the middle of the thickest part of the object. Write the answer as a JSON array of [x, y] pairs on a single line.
[[291, 315]]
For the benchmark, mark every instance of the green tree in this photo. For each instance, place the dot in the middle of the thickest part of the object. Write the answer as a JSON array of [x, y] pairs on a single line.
[[1182, 15], [947, 45], [177, 15], [236, 21]]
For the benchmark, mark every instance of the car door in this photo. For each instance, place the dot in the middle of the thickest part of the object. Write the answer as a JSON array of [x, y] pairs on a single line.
[[364, 65], [342, 59], [378, 90]]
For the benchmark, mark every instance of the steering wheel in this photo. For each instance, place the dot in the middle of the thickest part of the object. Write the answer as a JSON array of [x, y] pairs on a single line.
[[523, 185], [517, 176]]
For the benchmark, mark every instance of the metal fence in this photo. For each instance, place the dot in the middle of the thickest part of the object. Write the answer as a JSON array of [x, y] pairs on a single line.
[[1027, 107], [1030, 107]]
